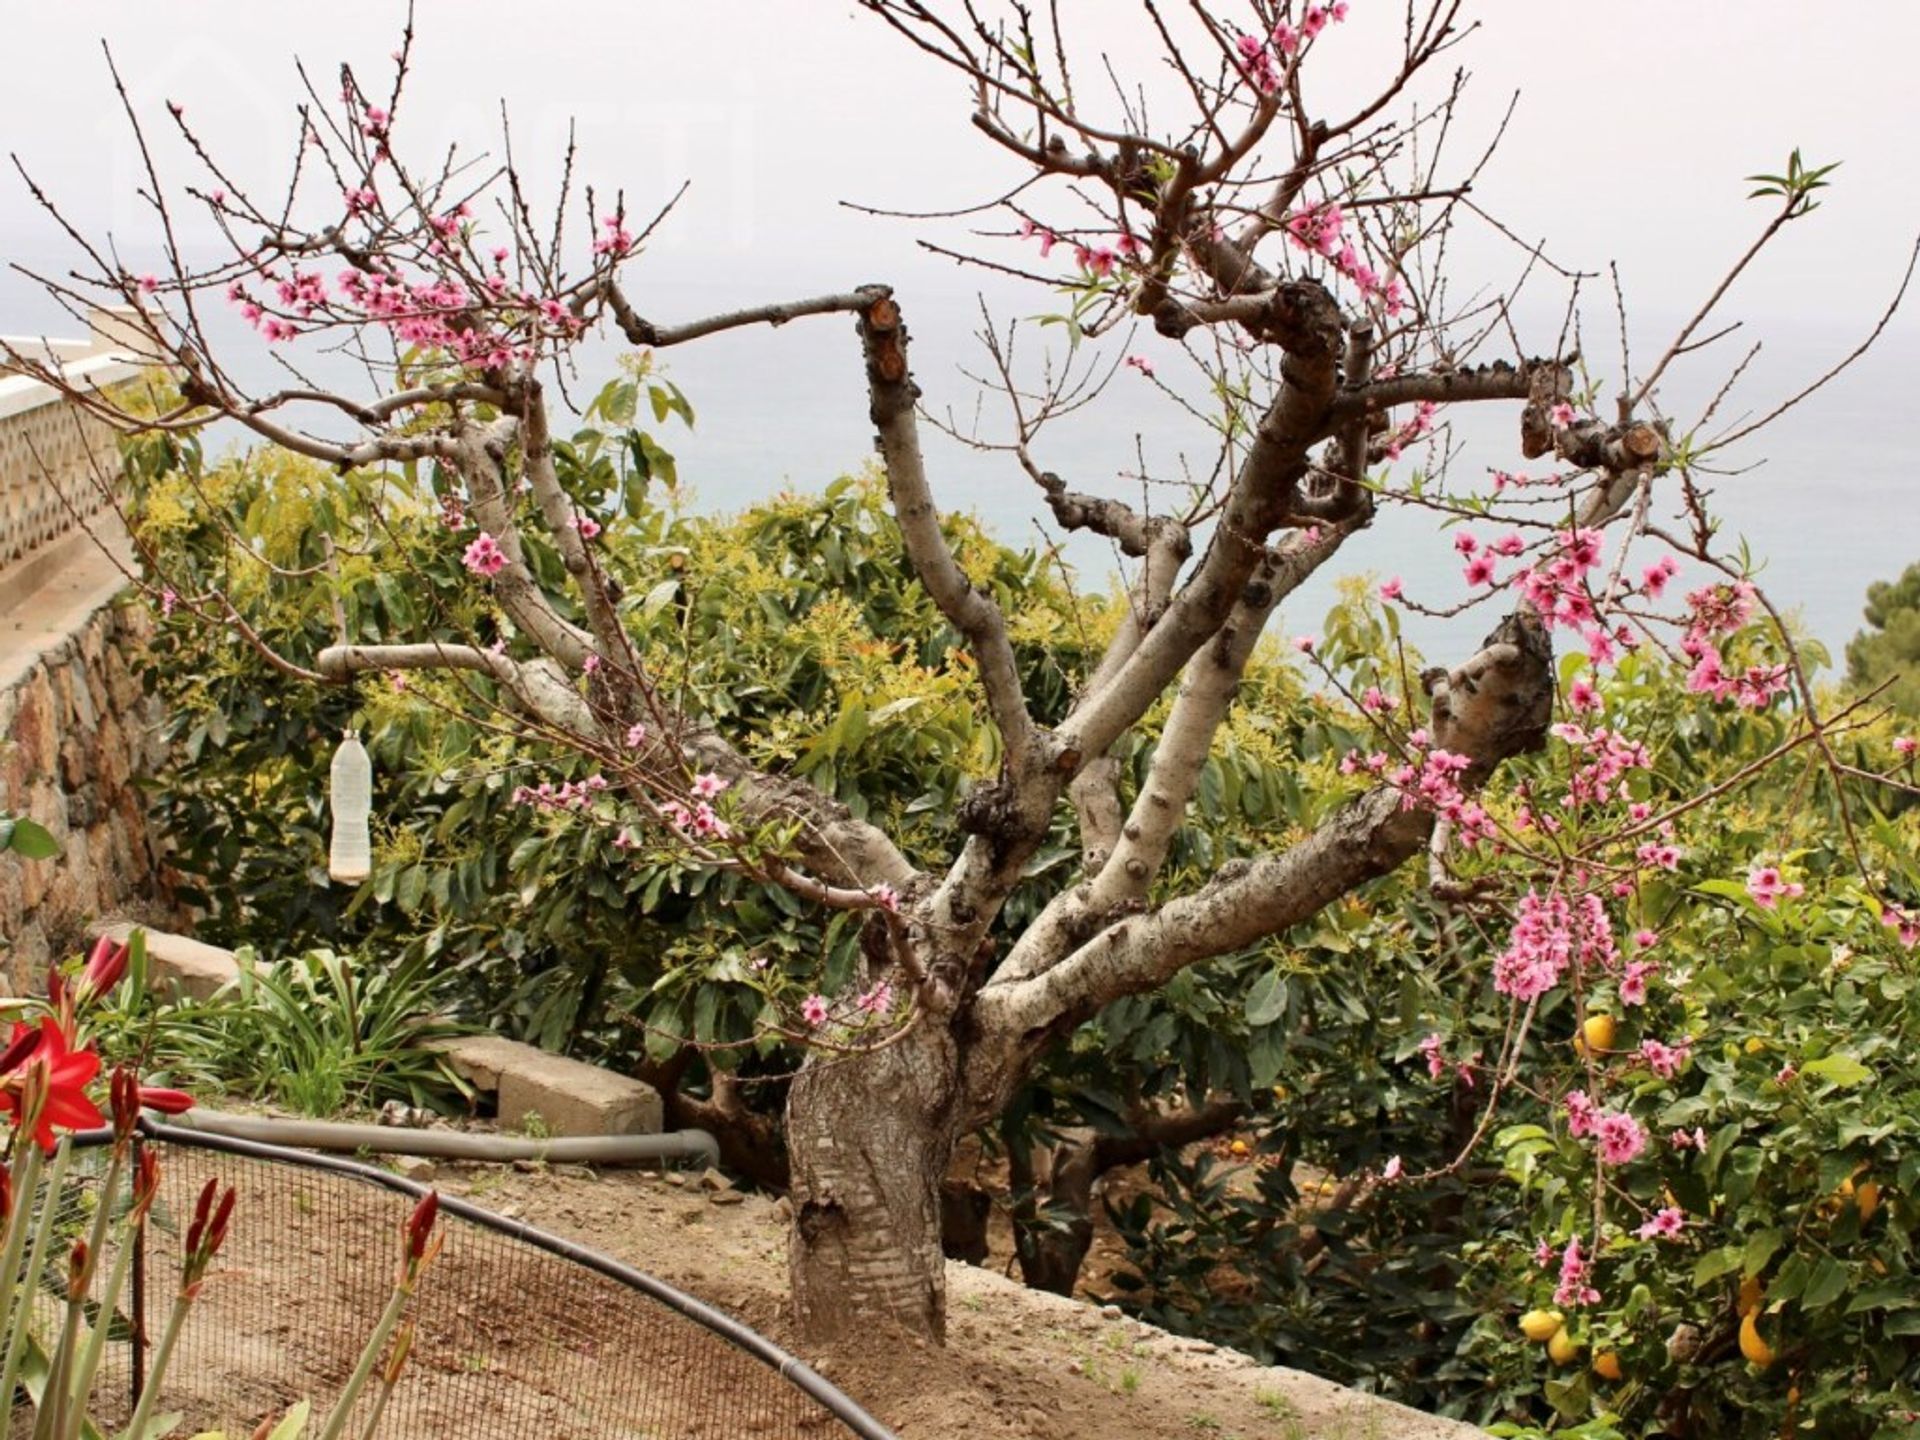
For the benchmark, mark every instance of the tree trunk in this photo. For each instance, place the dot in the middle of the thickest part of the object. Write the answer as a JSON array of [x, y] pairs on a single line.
[[869, 1138]]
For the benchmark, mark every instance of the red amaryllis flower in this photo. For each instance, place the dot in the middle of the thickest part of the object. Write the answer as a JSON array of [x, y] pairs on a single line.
[[62, 1075]]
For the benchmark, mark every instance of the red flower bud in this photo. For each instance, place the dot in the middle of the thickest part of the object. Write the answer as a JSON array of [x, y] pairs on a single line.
[[124, 1091], [105, 968], [146, 1182], [78, 1271], [202, 1208], [6, 1196], [420, 1225], [167, 1102]]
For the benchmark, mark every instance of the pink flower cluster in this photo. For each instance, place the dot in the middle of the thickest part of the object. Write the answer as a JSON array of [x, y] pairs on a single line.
[[1609, 756], [1617, 1134], [1721, 610], [1318, 230], [1666, 1061], [1666, 1224], [1768, 888], [1551, 934], [1557, 587], [1902, 921], [1575, 1287], [1260, 60], [1431, 779], [700, 821], [568, 795], [484, 557]]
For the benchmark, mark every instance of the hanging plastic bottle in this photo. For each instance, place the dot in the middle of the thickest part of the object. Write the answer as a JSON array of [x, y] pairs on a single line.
[[350, 797]]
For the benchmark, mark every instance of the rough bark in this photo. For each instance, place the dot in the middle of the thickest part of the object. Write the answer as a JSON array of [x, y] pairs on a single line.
[[869, 1137]]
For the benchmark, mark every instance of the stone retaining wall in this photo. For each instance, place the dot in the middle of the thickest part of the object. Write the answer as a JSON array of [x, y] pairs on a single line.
[[76, 731]]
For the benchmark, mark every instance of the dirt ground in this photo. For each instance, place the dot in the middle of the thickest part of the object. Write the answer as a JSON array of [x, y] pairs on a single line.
[[512, 1342], [1018, 1363]]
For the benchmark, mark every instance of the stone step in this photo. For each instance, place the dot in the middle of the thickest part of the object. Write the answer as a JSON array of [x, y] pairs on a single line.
[[564, 1096], [179, 964]]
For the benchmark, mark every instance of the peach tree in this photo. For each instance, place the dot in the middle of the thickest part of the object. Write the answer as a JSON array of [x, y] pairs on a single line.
[[1295, 261]]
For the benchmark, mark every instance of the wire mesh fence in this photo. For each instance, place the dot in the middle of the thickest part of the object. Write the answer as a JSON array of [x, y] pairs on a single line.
[[516, 1332]]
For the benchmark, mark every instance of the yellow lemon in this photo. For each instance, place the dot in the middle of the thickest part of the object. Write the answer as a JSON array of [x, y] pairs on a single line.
[[1596, 1035], [1538, 1325], [1751, 1294], [1755, 1045], [1561, 1349], [1607, 1366], [1751, 1344], [1239, 1147], [1867, 1197]]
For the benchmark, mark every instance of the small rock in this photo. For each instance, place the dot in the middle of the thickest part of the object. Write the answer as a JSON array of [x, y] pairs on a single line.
[[415, 1167], [711, 1179], [527, 1167], [783, 1210], [726, 1197], [1113, 1312], [674, 1177]]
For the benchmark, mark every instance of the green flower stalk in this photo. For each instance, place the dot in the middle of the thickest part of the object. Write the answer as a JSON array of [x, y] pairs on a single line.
[[418, 1246], [20, 1323], [204, 1238]]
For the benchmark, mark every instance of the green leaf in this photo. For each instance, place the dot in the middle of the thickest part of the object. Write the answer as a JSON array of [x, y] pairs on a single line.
[[1267, 1000], [1841, 1070], [1761, 1247], [1826, 1285], [32, 840], [1715, 1263]]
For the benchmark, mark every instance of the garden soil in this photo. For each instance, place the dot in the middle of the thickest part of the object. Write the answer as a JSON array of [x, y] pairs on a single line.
[[1018, 1363]]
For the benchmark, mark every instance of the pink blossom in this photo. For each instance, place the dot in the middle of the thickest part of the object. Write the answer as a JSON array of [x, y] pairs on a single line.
[[1666, 1061], [1696, 1139], [1582, 696], [1465, 543], [1633, 982], [1786, 1074], [1393, 1169], [1436, 1062], [1562, 416], [1904, 746], [887, 898], [1305, 643], [706, 785], [1766, 887], [813, 1010], [1581, 1113], [877, 1001], [1903, 922], [1142, 364], [636, 736], [1654, 578], [1619, 1135], [587, 526], [1390, 589], [591, 664], [484, 556], [1574, 1287], [168, 599], [1665, 1225], [1479, 570]]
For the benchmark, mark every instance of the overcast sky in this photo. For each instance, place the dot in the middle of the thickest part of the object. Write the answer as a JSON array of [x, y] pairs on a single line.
[[1638, 119]]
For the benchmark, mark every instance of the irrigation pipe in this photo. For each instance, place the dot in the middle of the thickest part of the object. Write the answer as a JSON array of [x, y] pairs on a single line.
[[696, 1146]]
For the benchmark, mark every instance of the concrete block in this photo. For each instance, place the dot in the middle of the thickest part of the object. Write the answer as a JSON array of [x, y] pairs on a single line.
[[175, 962], [570, 1096]]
